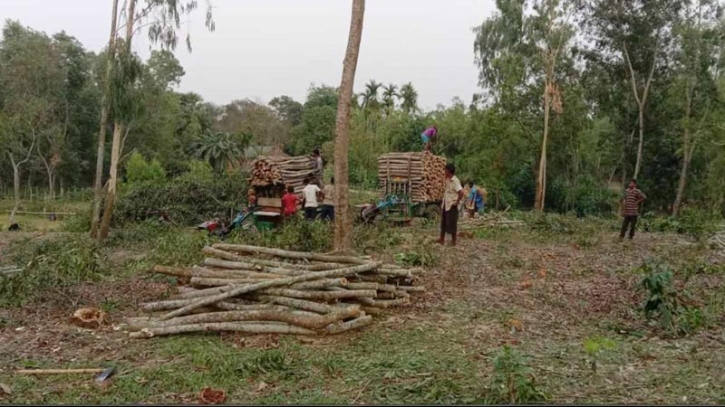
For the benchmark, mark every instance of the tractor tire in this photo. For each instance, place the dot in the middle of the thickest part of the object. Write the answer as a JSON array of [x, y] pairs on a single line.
[[432, 212]]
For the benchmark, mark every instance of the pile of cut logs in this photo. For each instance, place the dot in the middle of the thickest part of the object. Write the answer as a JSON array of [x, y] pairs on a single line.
[[425, 171], [290, 171], [264, 290]]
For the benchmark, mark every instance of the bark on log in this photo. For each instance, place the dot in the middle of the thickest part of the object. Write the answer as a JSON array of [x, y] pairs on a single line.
[[297, 303], [402, 294], [253, 265], [221, 282], [290, 254], [271, 284], [320, 295], [347, 326], [389, 303], [246, 327], [328, 282], [411, 288], [371, 310], [362, 286], [304, 321]]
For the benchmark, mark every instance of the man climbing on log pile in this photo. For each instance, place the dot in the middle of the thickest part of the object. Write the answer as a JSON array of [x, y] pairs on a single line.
[[451, 204], [429, 136]]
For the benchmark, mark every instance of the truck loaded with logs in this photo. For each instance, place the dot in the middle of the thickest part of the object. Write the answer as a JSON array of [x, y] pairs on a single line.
[[411, 185]]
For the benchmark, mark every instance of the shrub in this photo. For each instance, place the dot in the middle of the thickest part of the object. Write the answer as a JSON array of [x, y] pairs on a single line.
[[694, 222], [188, 200], [513, 382], [138, 170], [50, 267]]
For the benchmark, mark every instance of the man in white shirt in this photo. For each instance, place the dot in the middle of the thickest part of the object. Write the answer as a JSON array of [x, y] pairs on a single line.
[[310, 194], [451, 203]]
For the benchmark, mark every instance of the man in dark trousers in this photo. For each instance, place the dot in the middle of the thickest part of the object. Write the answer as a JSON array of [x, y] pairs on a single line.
[[630, 209], [451, 205]]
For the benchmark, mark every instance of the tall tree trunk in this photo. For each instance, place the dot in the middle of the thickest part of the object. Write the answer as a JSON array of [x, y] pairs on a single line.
[[343, 235], [105, 109], [118, 132], [641, 142], [641, 101], [112, 182], [683, 174], [541, 179], [16, 190]]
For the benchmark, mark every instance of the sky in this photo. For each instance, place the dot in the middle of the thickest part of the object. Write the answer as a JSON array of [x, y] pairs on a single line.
[[266, 48]]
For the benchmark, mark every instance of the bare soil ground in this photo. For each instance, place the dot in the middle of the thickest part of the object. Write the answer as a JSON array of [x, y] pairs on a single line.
[[543, 296]]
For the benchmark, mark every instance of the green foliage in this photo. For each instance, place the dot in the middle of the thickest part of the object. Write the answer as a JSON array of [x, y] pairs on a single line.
[[423, 258], [138, 170], [513, 381], [272, 361], [666, 303], [50, 268], [188, 200], [295, 234], [692, 221]]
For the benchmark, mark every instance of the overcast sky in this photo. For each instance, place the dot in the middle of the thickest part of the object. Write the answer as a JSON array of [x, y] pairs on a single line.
[[266, 48]]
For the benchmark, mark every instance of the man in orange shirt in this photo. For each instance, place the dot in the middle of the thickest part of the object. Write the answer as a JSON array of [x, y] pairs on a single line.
[[290, 202]]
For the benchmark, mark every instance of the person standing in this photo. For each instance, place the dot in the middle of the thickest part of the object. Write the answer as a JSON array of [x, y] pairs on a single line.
[[328, 203], [289, 202], [310, 195], [451, 202], [632, 198], [476, 199], [429, 136]]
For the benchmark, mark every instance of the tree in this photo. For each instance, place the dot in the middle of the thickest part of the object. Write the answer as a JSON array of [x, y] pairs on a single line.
[[410, 98], [698, 41], [519, 56], [634, 34], [343, 235], [287, 109], [31, 82], [105, 109], [162, 29], [370, 102], [221, 150], [390, 92]]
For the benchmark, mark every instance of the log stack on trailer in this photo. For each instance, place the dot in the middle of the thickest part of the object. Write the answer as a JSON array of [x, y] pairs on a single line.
[[424, 171], [276, 173]]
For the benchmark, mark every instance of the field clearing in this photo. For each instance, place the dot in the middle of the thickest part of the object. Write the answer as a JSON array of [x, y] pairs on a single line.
[[568, 301]]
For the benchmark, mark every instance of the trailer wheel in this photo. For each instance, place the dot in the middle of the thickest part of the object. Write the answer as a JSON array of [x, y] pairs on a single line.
[[432, 212]]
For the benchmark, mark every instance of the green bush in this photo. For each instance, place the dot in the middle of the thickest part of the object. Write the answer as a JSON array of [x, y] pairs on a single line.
[[49, 268], [138, 170], [187, 199], [513, 381], [295, 234], [693, 222]]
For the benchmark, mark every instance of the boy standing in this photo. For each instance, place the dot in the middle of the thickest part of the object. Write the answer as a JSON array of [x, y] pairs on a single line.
[[289, 202], [632, 198], [310, 194]]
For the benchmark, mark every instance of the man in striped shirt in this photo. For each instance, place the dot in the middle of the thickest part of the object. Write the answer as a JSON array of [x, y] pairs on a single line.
[[632, 198]]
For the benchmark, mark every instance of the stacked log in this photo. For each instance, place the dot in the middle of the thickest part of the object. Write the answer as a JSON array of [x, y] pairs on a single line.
[[287, 171], [263, 290], [425, 172], [717, 240]]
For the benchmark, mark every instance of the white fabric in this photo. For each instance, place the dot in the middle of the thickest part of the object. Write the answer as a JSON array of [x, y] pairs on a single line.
[[451, 195], [329, 195], [310, 192]]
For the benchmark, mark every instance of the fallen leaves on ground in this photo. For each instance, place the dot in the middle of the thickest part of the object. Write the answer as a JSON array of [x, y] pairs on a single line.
[[208, 395]]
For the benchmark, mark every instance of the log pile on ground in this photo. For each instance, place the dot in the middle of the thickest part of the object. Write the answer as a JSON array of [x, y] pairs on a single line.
[[425, 171], [263, 290], [288, 171]]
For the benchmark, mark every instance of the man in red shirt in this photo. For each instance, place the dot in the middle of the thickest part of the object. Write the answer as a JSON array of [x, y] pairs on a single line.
[[290, 202]]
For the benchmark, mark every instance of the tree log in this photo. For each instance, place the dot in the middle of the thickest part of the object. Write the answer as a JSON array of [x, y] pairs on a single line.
[[328, 282], [271, 284], [221, 282], [290, 254], [238, 265], [320, 295], [356, 323], [300, 304], [247, 327], [411, 288], [362, 286]]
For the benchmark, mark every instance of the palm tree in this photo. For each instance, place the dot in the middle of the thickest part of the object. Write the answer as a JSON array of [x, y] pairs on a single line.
[[370, 96], [220, 149], [410, 98], [343, 232], [390, 92]]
